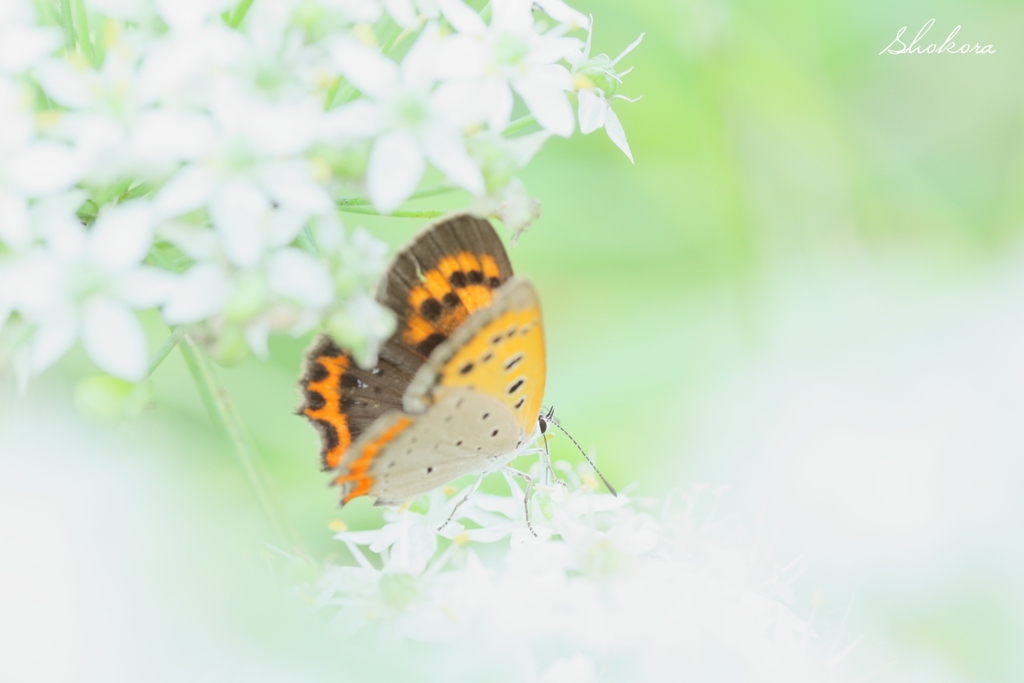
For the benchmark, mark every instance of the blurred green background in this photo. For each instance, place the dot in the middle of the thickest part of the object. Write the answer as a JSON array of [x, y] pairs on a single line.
[[807, 289]]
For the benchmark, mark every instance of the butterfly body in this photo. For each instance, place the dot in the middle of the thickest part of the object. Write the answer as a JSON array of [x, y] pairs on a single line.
[[457, 388]]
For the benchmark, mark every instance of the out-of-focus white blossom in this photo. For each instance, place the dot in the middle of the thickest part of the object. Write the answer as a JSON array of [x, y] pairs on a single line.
[[410, 120], [510, 56], [616, 586], [77, 283], [596, 80], [228, 132], [22, 42]]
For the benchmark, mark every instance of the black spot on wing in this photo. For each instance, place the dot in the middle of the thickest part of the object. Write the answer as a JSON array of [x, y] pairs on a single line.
[[430, 343], [431, 309], [314, 401]]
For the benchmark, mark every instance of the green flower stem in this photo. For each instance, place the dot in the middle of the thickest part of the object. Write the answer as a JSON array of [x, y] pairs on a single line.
[[137, 191], [332, 93], [239, 14], [519, 124], [83, 32], [366, 211], [68, 25], [429, 192], [165, 349], [223, 412], [308, 242]]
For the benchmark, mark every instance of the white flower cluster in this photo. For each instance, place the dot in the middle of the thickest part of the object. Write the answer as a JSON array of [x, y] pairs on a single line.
[[610, 588], [190, 157]]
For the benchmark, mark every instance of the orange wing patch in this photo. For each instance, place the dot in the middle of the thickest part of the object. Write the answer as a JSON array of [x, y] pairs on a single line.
[[326, 412], [357, 472], [504, 359], [460, 284]]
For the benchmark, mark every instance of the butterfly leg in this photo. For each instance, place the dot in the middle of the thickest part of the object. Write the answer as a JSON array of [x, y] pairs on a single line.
[[542, 424], [472, 490], [529, 493]]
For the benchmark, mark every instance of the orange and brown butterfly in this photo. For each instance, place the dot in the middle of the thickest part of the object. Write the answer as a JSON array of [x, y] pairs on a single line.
[[456, 390]]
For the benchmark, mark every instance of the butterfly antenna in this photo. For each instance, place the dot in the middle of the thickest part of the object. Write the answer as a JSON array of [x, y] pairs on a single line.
[[550, 419]]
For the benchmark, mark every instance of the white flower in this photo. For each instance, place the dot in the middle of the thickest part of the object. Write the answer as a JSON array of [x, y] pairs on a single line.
[[31, 166], [22, 43], [287, 289], [407, 13], [411, 121], [411, 536], [259, 190], [512, 205], [596, 79], [509, 55], [602, 592], [85, 283]]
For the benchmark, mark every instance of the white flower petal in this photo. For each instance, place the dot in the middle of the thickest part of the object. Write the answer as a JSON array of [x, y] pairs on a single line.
[[163, 134], [370, 72], [100, 143], [419, 67], [240, 213], [562, 13], [122, 235], [513, 16], [23, 46], [65, 84], [114, 339], [459, 57], [617, 134], [189, 189], [592, 111], [296, 275], [395, 169], [401, 11], [547, 102], [198, 243], [43, 168], [447, 152], [291, 185], [256, 335], [361, 119], [554, 49], [145, 287], [463, 104], [129, 10], [284, 226], [52, 339], [185, 15], [524, 147], [14, 223], [200, 293], [462, 18], [281, 130]]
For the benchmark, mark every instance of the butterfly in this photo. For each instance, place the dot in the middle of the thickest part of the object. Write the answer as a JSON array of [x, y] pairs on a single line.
[[456, 389]]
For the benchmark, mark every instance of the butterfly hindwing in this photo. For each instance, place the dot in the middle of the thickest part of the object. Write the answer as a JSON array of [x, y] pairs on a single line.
[[404, 455], [342, 399]]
